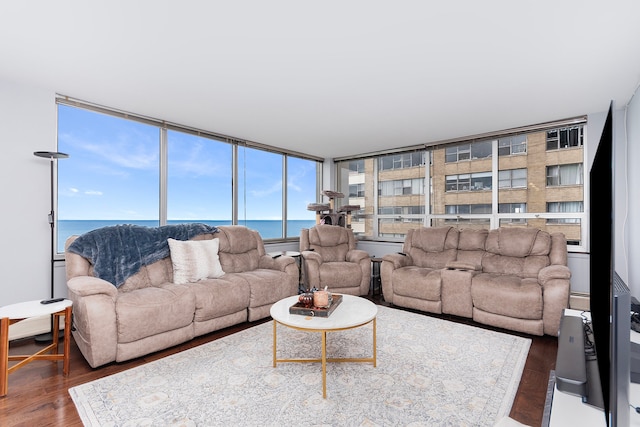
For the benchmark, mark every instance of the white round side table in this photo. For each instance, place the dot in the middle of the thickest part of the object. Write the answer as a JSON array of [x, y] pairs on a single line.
[[14, 313]]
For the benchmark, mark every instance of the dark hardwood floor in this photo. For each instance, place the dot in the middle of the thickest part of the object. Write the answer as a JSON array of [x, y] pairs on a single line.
[[38, 393]]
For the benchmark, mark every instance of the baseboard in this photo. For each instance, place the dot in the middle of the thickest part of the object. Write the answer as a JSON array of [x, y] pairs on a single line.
[[31, 327], [579, 301]]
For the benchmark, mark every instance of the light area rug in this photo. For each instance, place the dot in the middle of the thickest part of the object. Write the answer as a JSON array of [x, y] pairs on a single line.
[[430, 372]]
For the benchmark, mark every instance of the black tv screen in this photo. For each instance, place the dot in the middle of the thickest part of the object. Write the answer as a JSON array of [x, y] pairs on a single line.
[[609, 296], [601, 253]]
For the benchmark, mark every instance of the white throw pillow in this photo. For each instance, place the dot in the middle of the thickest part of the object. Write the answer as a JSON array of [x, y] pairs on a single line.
[[195, 260]]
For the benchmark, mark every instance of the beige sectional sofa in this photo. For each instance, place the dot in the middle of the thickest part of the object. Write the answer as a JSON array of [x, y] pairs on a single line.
[[148, 312], [513, 278]]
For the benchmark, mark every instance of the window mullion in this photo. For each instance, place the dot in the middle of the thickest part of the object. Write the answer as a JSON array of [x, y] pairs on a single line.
[[495, 188], [164, 167]]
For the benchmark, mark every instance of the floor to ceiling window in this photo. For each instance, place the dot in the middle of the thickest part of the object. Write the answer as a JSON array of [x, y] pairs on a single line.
[[260, 191], [302, 188], [111, 175], [124, 169], [199, 179], [532, 178]]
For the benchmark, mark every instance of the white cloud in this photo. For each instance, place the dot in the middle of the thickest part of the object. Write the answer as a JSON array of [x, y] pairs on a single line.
[[93, 193], [274, 189]]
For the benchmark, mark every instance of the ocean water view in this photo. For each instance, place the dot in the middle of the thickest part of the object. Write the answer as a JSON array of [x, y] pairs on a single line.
[[268, 229]]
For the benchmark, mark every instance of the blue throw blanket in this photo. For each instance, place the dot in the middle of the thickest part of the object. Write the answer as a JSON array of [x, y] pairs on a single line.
[[118, 252]]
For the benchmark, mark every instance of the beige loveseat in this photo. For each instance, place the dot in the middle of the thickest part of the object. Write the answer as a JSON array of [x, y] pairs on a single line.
[[148, 312], [513, 278]]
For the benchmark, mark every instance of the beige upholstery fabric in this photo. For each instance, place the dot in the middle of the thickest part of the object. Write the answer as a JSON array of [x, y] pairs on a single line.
[[431, 247], [514, 278], [149, 312], [330, 258]]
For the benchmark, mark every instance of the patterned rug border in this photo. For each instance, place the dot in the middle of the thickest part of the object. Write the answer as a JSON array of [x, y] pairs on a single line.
[[231, 381]]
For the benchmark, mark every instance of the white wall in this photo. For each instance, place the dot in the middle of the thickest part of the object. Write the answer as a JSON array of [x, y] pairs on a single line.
[[28, 116], [632, 231]]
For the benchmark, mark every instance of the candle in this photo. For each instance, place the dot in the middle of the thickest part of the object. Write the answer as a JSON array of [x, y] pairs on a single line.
[[321, 299]]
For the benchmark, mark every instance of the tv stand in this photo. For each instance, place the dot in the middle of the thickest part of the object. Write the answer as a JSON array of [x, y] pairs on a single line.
[[571, 370], [577, 371], [569, 409]]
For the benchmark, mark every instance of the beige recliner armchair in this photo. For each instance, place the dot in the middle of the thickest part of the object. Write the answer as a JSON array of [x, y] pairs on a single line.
[[330, 258]]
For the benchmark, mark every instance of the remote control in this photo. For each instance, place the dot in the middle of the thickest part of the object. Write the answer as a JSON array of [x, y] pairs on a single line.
[[51, 301]]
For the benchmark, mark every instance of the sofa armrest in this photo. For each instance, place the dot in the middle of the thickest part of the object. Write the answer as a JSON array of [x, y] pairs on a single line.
[[556, 288], [312, 256], [280, 263], [460, 265], [311, 262], [356, 255], [551, 272], [94, 318], [84, 286], [398, 260]]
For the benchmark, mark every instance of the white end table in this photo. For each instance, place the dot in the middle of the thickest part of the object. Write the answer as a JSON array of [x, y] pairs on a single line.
[[353, 312], [14, 313]]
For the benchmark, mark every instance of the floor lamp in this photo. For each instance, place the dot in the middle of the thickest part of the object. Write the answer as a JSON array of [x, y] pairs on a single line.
[[52, 156]]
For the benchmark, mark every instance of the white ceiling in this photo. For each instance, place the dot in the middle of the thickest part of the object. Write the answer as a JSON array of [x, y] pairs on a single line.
[[330, 78]]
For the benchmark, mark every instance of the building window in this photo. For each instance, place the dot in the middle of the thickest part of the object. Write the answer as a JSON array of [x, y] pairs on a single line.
[[516, 144], [512, 208], [475, 150], [565, 138], [401, 210], [512, 178], [356, 190], [475, 209], [564, 207], [357, 166], [469, 182], [570, 174], [401, 187], [401, 161]]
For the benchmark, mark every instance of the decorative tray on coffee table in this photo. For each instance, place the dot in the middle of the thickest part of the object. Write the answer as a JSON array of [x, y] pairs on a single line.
[[299, 308]]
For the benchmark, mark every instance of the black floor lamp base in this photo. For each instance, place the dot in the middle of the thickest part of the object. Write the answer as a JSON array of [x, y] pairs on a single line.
[[47, 337], [44, 338]]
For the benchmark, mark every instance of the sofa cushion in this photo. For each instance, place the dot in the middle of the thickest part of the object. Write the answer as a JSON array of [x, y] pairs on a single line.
[[472, 240], [521, 267], [240, 248], [417, 282], [268, 286], [331, 242], [153, 310], [432, 247], [507, 295], [220, 297], [194, 260], [341, 274], [518, 242]]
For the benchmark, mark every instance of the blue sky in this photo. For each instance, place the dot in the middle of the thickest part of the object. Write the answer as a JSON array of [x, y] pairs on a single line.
[[113, 173]]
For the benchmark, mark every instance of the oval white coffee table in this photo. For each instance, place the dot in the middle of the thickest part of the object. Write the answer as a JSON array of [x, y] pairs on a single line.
[[352, 312], [10, 314]]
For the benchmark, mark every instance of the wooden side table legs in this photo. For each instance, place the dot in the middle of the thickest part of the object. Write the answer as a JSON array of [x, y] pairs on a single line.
[[50, 352], [4, 356]]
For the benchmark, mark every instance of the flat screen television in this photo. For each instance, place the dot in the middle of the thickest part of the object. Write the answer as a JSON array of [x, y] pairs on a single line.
[[609, 296]]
